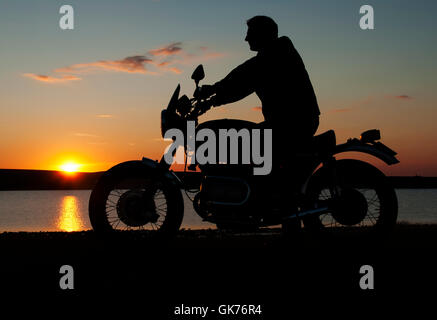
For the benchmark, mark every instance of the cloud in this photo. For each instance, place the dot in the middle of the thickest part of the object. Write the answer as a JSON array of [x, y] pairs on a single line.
[[105, 116], [171, 57], [404, 97], [258, 108], [175, 70], [398, 97], [169, 50], [50, 79], [133, 64], [202, 54], [168, 58]]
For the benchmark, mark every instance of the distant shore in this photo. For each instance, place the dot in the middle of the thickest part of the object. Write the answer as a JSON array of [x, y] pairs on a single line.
[[17, 179]]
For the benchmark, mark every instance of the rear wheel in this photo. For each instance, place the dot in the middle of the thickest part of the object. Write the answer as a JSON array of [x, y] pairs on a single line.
[[130, 197], [360, 198]]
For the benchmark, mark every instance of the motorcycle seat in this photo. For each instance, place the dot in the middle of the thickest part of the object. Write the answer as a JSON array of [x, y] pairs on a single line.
[[325, 142]]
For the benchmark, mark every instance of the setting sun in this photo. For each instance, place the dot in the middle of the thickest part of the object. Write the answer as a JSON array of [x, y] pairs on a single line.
[[70, 167]]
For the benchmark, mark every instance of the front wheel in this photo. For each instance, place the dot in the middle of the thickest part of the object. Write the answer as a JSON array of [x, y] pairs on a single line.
[[358, 196], [133, 197]]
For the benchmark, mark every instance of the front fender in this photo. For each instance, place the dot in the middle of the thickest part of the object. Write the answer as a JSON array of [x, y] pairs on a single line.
[[376, 149], [151, 166]]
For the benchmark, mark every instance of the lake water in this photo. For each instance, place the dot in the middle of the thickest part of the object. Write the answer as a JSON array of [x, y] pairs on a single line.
[[67, 210]]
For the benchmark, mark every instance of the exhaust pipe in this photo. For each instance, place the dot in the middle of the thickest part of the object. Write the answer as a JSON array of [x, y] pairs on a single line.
[[306, 213]]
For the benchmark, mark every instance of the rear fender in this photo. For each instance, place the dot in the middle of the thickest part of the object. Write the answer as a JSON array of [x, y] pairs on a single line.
[[376, 149]]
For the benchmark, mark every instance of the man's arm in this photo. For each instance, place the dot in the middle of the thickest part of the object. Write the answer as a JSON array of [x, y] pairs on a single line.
[[238, 84]]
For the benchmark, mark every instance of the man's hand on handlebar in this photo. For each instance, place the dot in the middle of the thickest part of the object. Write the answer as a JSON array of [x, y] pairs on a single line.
[[203, 106], [207, 104], [204, 92]]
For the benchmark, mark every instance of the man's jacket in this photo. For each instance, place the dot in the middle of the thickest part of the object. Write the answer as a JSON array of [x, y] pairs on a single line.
[[279, 78]]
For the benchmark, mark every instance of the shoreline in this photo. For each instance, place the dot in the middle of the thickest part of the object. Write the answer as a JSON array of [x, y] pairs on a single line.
[[21, 180], [404, 235]]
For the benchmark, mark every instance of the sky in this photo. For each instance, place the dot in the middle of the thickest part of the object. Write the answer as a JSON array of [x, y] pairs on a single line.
[[93, 95]]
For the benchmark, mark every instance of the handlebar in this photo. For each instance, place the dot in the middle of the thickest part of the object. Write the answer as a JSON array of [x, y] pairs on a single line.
[[200, 108]]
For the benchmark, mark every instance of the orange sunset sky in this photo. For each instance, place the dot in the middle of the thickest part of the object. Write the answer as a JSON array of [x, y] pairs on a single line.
[[93, 95]]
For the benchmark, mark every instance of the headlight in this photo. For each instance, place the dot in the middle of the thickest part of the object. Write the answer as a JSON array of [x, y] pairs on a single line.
[[164, 122], [169, 120]]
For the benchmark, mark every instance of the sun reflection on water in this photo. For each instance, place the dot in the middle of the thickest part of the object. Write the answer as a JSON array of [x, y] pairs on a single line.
[[70, 217]]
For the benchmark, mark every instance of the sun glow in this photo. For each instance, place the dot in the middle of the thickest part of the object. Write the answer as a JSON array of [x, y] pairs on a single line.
[[70, 216], [70, 167]]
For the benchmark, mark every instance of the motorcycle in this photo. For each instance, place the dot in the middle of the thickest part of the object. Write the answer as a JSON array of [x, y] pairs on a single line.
[[347, 193]]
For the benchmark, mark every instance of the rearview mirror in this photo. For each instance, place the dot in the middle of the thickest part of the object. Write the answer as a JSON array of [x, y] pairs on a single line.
[[198, 74]]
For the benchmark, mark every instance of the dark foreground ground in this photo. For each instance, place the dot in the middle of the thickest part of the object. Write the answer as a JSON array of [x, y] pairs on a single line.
[[209, 267], [404, 236]]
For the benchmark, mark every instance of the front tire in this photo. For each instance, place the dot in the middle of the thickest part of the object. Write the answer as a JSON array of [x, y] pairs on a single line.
[[133, 197]]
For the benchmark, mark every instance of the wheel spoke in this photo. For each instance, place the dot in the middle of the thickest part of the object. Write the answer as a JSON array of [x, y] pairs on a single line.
[[372, 214], [133, 201]]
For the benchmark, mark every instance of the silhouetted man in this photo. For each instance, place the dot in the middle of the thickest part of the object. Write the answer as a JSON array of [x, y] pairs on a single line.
[[278, 76]]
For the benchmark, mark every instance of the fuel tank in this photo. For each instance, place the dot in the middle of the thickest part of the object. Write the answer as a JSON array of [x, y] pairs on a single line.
[[237, 124], [225, 136]]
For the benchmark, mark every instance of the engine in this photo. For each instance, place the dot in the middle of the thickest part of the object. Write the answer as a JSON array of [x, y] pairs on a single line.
[[222, 196]]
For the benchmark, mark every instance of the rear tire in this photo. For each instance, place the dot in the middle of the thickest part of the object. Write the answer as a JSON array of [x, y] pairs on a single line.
[[369, 201]]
